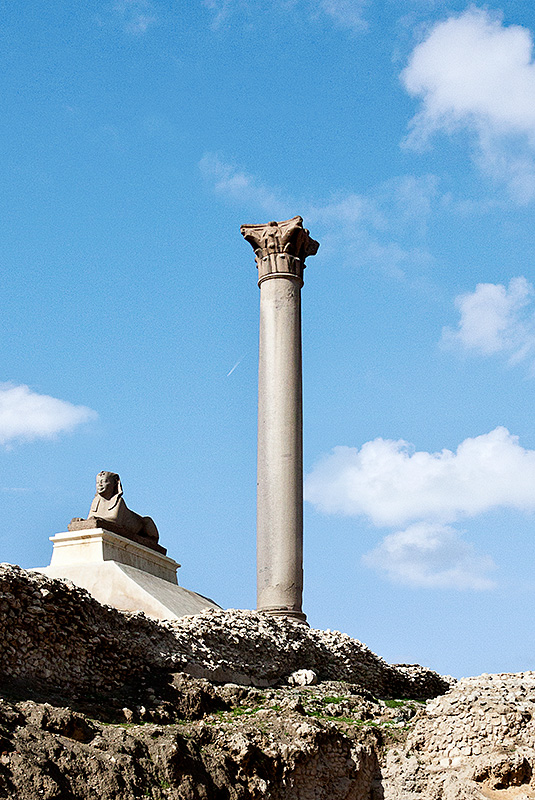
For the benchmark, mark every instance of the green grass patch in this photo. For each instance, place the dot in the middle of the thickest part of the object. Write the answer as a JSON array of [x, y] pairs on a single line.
[[239, 711], [346, 720], [125, 725]]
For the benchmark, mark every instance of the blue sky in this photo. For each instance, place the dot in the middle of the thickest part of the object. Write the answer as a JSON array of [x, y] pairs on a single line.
[[137, 136]]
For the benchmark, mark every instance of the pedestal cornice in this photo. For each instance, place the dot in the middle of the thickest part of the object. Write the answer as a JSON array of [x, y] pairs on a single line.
[[97, 545]]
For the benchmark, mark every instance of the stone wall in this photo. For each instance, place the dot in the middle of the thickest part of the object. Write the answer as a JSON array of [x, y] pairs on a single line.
[[477, 740], [55, 636]]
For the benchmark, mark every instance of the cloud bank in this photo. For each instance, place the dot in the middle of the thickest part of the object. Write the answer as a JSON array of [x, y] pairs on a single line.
[[26, 415], [391, 484], [496, 319], [431, 556], [475, 74]]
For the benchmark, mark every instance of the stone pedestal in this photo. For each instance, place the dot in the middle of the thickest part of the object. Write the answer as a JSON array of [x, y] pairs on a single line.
[[122, 573], [280, 249], [97, 545]]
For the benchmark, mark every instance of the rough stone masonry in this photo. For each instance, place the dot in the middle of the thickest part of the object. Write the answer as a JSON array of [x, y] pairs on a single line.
[[54, 635], [97, 703]]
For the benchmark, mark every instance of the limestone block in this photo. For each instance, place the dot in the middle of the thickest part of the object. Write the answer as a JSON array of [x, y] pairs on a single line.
[[129, 589], [122, 573], [303, 677], [96, 545]]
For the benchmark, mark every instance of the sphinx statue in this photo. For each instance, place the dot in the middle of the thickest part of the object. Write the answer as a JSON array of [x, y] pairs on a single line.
[[109, 510]]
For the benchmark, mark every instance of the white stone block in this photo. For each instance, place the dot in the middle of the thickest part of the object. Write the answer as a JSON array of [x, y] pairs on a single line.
[[122, 573], [95, 545]]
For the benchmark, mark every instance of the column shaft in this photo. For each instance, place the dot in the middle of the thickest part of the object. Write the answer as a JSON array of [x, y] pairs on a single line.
[[280, 449]]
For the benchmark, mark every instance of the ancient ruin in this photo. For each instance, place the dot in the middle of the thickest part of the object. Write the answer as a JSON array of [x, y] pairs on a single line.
[[115, 555], [98, 699], [237, 705], [280, 250]]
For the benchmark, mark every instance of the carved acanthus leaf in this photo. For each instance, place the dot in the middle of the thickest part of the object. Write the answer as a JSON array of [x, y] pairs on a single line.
[[280, 247]]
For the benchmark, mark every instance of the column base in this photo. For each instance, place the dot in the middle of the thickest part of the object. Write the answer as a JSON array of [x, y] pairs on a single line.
[[299, 616]]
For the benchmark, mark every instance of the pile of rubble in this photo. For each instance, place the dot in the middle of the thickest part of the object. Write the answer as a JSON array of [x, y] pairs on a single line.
[[53, 634], [478, 740], [238, 706], [247, 647]]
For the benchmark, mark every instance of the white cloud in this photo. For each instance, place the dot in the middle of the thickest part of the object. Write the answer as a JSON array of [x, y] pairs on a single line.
[[26, 415], [139, 23], [431, 556], [135, 16], [375, 229], [222, 9], [391, 484], [384, 228], [474, 73], [346, 13], [495, 319], [237, 185]]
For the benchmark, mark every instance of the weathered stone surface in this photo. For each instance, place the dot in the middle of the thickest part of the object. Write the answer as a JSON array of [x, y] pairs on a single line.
[[280, 250], [477, 741], [171, 735], [108, 506], [280, 247], [56, 637], [245, 753]]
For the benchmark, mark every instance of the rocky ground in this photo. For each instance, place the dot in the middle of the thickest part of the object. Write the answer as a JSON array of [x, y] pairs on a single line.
[[99, 704], [476, 741], [225, 741], [55, 635]]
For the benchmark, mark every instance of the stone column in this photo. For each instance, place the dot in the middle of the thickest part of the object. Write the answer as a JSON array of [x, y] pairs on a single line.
[[280, 250]]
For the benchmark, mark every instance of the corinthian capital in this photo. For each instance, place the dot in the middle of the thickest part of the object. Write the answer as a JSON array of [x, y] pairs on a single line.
[[280, 247]]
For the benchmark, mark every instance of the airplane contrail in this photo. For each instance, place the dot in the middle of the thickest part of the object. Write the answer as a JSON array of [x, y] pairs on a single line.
[[237, 364]]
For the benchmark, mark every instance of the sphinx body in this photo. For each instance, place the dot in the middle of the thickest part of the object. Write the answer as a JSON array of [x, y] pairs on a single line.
[[108, 505]]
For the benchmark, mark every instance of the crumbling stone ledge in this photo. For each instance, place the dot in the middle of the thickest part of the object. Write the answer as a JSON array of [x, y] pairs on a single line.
[[55, 637]]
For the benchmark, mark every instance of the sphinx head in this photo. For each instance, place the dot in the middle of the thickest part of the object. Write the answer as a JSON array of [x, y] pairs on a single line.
[[108, 484]]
